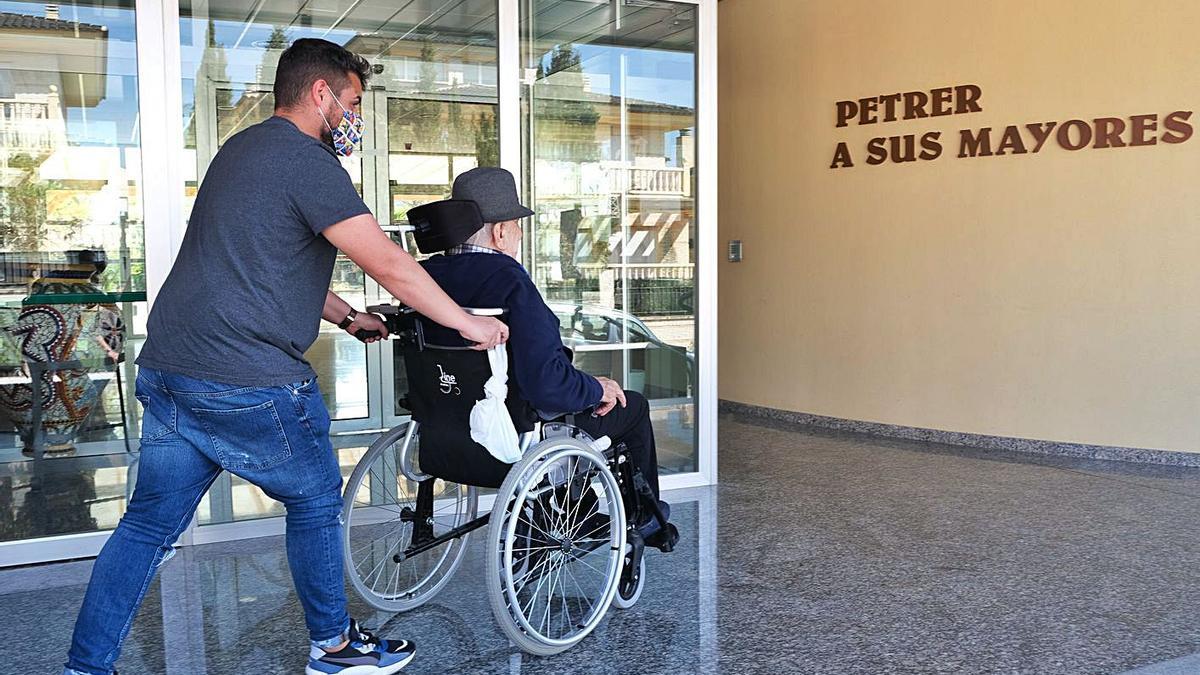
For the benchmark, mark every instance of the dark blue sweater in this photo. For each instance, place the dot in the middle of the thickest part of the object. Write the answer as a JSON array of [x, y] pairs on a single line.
[[543, 371]]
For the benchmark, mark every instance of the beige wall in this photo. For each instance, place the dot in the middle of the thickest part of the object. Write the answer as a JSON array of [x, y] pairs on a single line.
[[1052, 296]]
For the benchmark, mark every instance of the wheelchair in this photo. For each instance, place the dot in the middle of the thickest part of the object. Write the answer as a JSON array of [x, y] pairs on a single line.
[[562, 544]]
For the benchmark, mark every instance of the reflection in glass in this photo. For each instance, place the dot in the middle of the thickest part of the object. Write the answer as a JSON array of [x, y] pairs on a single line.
[[72, 264], [609, 154], [431, 142]]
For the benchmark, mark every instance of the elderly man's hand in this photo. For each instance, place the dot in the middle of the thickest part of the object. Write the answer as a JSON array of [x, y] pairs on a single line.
[[613, 394], [486, 332]]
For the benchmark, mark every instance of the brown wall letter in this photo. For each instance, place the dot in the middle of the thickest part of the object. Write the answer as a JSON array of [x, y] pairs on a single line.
[[845, 110], [1177, 123], [914, 104], [1085, 135], [1041, 131], [1012, 142], [1108, 133], [931, 147], [877, 153], [889, 106], [943, 100], [841, 157], [968, 99], [1140, 124], [976, 145], [904, 149], [866, 110]]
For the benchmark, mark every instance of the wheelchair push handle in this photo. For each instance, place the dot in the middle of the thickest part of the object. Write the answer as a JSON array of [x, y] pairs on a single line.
[[402, 310], [363, 334], [394, 316]]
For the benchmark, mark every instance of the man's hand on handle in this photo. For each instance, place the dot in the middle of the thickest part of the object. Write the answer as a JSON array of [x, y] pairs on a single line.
[[485, 331], [613, 394], [370, 325]]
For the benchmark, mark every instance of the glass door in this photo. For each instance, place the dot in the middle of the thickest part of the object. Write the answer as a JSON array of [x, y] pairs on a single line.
[[609, 119], [72, 265], [430, 107]]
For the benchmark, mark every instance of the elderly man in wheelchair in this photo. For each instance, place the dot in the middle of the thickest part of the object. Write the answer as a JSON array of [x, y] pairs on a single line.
[[571, 519]]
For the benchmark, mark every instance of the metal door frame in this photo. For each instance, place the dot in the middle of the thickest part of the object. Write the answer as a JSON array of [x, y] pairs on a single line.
[[162, 140]]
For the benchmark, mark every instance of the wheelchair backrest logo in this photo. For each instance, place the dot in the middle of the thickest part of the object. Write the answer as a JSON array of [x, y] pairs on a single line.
[[447, 382]]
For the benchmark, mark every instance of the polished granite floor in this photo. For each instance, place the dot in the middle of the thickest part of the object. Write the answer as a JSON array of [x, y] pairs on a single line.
[[819, 553]]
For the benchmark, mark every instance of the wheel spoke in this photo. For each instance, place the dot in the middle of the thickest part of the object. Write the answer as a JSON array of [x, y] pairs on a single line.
[[536, 527], [385, 483], [369, 544], [537, 590], [578, 502], [550, 594], [534, 548], [542, 564], [593, 567], [375, 572], [582, 593], [588, 535], [574, 530]]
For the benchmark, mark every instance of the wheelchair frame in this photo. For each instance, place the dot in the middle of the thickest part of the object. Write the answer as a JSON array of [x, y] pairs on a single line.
[[527, 488]]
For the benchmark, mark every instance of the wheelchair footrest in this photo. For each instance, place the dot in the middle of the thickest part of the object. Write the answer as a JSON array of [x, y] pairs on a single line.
[[665, 539]]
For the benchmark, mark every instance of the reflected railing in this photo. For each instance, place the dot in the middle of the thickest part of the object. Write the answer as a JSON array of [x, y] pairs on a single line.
[[648, 181], [26, 124]]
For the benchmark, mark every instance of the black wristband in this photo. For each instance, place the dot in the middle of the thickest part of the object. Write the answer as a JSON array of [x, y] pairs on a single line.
[[345, 323]]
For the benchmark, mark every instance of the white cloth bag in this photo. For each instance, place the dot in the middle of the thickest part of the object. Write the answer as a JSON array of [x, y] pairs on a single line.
[[491, 425]]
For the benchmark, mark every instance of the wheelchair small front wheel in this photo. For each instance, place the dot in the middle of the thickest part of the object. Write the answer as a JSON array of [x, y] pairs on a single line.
[[633, 580], [556, 542], [384, 513]]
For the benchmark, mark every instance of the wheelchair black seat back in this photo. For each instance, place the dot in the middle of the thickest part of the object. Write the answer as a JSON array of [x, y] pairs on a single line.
[[445, 378], [444, 382]]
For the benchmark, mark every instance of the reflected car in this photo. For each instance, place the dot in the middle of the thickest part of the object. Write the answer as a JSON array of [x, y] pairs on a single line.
[[595, 334]]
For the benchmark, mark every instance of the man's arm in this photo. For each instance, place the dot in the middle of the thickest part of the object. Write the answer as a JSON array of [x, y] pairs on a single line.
[[361, 239], [338, 310]]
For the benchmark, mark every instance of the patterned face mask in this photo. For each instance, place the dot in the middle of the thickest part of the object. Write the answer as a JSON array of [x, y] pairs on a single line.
[[349, 131]]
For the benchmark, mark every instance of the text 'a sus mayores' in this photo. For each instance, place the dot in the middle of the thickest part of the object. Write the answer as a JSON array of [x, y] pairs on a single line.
[[1099, 133]]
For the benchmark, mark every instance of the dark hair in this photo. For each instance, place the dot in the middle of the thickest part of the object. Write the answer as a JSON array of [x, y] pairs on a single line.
[[309, 60]]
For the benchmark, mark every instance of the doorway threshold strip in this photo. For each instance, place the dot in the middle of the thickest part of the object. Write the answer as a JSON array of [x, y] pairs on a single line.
[[958, 438]]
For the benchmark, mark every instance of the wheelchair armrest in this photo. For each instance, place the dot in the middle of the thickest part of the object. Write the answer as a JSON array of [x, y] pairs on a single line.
[[558, 428], [389, 309], [484, 311], [399, 318], [398, 229]]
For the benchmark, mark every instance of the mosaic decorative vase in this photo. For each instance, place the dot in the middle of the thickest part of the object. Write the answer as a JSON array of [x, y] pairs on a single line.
[[58, 345]]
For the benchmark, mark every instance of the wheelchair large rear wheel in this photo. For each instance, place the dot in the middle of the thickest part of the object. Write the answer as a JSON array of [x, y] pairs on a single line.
[[556, 541], [380, 512]]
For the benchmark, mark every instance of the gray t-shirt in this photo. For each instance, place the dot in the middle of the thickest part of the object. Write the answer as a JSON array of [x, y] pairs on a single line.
[[243, 302]]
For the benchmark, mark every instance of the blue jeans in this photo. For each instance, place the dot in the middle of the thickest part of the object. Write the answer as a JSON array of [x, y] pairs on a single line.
[[274, 437]]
